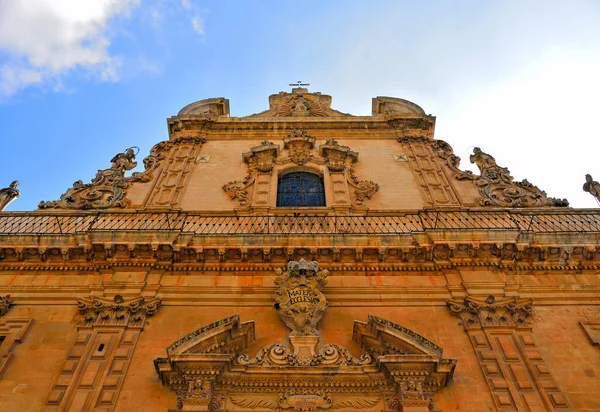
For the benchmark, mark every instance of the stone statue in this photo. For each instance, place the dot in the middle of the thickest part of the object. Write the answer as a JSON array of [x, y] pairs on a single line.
[[9, 194], [298, 297], [592, 187]]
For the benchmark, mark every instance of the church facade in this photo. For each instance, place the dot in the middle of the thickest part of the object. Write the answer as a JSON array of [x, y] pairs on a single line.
[[300, 259]]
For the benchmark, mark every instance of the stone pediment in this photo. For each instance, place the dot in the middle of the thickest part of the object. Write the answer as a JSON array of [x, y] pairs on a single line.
[[209, 370], [300, 103]]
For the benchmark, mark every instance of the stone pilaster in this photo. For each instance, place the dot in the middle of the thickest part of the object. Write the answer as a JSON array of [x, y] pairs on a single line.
[[96, 365], [500, 333]]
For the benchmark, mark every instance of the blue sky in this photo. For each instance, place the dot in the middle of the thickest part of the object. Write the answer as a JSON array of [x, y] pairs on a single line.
[[83, 80]]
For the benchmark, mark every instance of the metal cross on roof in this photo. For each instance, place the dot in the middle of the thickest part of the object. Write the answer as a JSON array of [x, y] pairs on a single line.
[[299, 84]]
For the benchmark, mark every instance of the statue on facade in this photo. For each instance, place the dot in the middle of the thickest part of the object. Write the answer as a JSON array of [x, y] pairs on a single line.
[[8, 194], [592, 187]]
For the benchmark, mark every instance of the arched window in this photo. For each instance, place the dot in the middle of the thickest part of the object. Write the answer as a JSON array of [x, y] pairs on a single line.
[[300, 189]]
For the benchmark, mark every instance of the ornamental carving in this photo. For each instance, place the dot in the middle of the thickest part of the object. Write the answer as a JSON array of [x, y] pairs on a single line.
[[591, 186], [108, 188], [300, 103], [210, 371], [298, 297], [337, 157], [508, 312], [117, 311], [498, 188], [300, 145], [8, 194], [495, 183], [5, 303], [264, 158]]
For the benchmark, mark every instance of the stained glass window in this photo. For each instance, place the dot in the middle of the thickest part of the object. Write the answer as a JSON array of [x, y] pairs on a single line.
[[300, 189]]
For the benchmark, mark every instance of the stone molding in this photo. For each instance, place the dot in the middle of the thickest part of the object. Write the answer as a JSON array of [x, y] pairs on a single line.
[[12, 330]]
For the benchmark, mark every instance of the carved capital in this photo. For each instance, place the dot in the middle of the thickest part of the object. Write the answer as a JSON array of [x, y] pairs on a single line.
[[130, 312], [5, 303], [479, 313]]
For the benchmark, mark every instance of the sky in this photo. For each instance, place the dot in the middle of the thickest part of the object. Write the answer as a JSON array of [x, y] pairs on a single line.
[[83, 80]]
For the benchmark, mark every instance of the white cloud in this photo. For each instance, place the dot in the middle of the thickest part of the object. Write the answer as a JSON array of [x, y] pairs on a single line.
[[44, 39]]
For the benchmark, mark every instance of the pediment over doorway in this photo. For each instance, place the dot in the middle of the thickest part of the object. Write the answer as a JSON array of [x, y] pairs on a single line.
[[210, 370]]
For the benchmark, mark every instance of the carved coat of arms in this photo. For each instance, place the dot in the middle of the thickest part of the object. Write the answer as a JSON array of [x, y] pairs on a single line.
[[298, 297]]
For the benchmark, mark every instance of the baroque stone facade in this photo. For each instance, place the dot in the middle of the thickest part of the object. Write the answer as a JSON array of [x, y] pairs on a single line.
[[300, 259]]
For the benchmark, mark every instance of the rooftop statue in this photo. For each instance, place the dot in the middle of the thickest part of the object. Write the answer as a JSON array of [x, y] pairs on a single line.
[[8, 194], [592, 187]]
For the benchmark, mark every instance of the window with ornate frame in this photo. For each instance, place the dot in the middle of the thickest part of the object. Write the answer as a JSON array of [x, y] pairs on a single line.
[[300, 189]]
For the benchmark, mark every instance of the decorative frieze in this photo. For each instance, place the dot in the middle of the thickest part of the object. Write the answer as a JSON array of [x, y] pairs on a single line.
[[500, 333]]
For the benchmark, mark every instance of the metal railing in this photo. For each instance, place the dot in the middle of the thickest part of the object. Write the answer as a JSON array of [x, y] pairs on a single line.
[[23, 223]]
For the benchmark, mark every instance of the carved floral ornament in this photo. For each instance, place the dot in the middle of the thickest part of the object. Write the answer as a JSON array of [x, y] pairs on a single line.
[[301, 151], [495, 183], [109, 188], [210, 370]]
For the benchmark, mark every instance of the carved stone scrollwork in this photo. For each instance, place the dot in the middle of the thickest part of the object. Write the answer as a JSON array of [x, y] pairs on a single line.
[[8, 194], [280, 355], [298, 297], [108, 188], [496, 185], [5, 303], [118, 311], [498, 188], [300, 145], [510, 312], [238, 189]]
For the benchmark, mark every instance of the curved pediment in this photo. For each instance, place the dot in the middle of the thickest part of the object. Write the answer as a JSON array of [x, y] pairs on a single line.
[[225, 336], [380, 337]]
